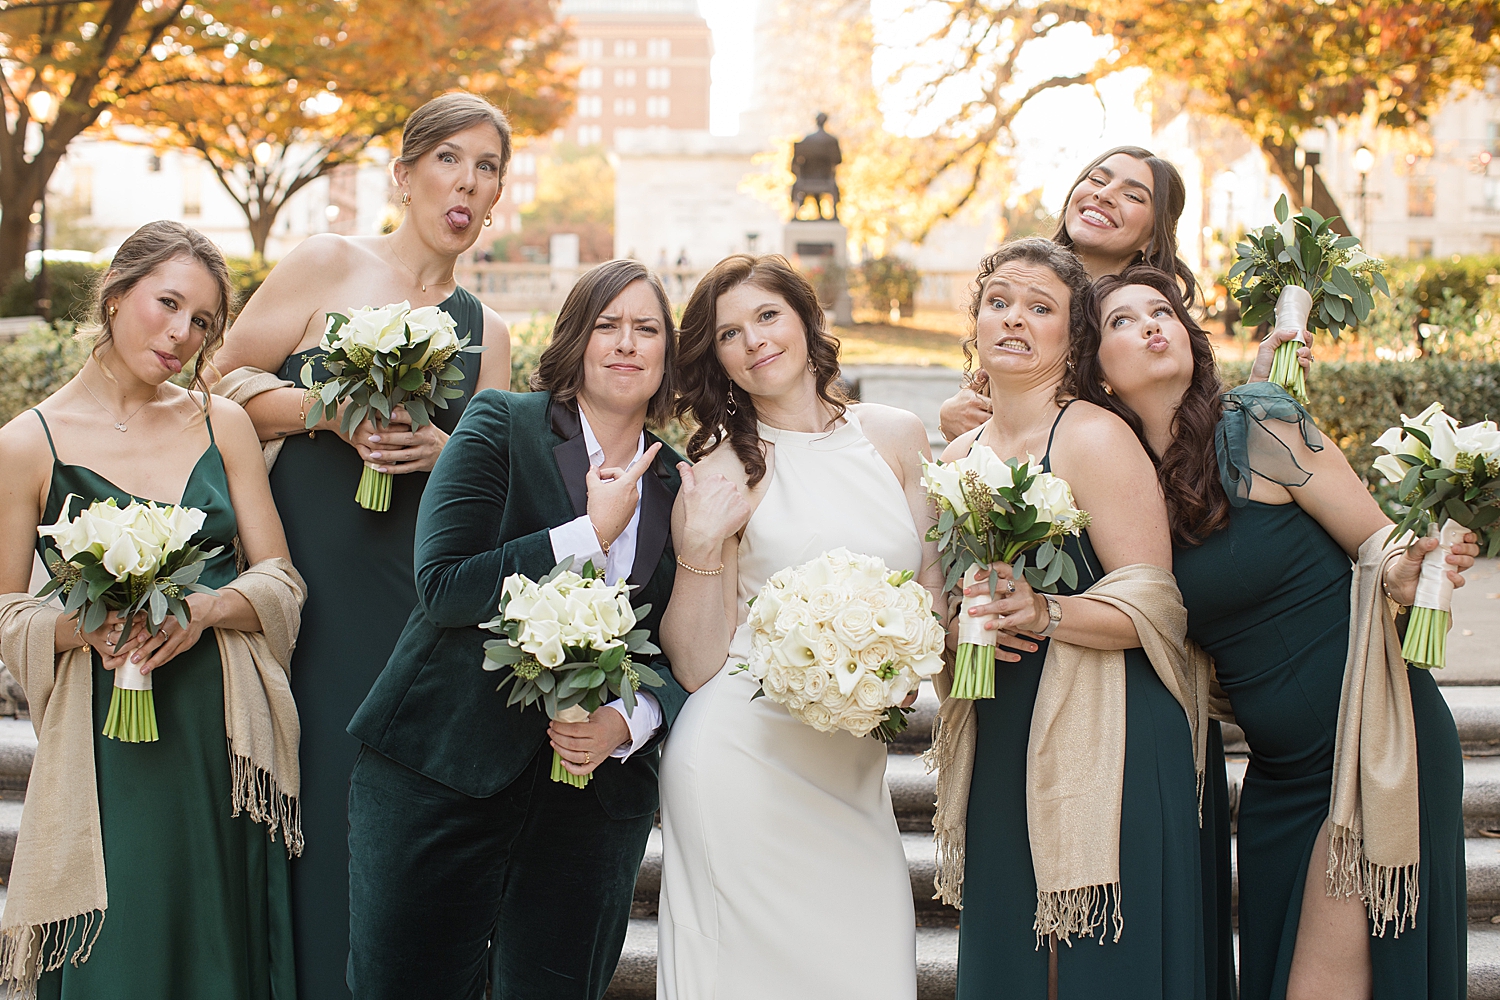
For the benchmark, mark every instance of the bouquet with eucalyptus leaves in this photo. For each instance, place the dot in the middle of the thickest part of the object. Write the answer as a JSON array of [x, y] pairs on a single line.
[[1449, 484], [137, 560], [379, 358], [1305, 277], [569, 640]]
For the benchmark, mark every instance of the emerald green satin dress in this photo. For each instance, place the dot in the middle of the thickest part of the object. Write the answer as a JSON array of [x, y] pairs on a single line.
[[199, 904], [1268, 597], [360, 591]]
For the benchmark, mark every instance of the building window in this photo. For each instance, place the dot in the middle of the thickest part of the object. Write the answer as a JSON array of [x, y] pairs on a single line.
[[590, 135], [523, 194], [659, 78], [625, 48], [659, 48], [591, 78], [1419, 248], [658, 107], [1421, 197], [624, 106], [591, 48], [590, 107], [624, 78], [1492, 194], [524, 164]]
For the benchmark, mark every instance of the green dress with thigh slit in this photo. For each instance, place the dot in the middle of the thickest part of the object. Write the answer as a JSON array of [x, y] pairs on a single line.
[[199, 905]]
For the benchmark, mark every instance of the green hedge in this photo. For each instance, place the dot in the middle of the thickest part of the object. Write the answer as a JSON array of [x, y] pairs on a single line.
[[70, 286], [36, 364]]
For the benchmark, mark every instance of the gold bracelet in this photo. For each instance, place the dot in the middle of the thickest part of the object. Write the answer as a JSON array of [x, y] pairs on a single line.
[[307, 397], [701, 572]]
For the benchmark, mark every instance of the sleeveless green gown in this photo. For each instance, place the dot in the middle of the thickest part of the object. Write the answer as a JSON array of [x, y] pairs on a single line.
[[1160, 955], [199, 905], [1268, 597], [360, 591]]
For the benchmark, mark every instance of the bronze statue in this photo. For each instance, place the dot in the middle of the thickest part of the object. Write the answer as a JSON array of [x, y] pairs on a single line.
[[813, 160]]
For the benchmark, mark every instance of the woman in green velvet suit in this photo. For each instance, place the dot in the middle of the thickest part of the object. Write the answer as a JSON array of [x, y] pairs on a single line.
[[467, 863], [1263, 537]]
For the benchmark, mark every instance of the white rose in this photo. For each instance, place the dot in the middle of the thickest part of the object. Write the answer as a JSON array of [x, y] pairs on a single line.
[[377, 329], [1051, 497], [899, 687], [870, 693], [127, 557], [819, 717], [876, 653], [827, 648], [823, 601], [776, 679], [854, 625]]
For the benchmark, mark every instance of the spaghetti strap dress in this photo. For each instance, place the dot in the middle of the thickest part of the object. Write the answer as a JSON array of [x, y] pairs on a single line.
[[360, 591], [199, 905], [1268, 598], [1160, 954]]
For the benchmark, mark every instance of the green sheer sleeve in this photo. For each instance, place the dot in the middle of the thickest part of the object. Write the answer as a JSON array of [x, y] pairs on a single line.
[[1247, 448]]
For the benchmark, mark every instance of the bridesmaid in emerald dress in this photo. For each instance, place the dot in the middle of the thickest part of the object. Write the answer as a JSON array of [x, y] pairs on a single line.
[[358, 563], [1263, 538], [197, 898]]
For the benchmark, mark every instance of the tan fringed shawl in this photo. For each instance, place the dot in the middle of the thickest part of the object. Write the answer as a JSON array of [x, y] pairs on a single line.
[[1075, 763], [1375, 842], [244, 384], [57, 884]]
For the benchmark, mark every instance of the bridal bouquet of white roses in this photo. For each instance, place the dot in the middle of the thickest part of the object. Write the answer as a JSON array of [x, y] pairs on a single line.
[[1449, 483], [568, 640], [135, 560], [1306, 277], [379, 358], [991, 511], [841, 641]]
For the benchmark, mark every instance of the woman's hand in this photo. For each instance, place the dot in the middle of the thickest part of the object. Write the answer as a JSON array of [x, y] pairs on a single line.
[[1261, 370], [968, 409], [613, 495], [713, 509], [396, 448], [171, 638], [104, 638], [1401, 575], [583, 746], [1019, 643], [1016, 607]]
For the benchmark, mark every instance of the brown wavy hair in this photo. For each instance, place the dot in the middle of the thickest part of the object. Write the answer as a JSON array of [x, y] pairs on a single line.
[[1060, 261], [1168, 195], [705, 385], [1189, 471]]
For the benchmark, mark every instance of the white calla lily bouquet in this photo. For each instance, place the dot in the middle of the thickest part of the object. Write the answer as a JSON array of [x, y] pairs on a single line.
[[569, 641], [379, 358], [1448, 481], [841, 640], [136, 560], [991, 511]]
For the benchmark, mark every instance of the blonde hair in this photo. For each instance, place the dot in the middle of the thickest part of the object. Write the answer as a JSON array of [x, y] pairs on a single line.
[[447, 116]]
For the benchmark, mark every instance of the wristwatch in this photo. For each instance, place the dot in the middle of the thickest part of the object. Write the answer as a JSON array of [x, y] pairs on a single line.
[[1054, 615]]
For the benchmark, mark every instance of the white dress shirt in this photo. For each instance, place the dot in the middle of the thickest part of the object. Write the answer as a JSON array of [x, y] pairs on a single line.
[[576, 538]]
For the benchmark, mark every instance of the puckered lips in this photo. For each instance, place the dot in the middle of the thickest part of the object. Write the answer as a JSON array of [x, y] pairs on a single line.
[[1157, 342], [168, 361]]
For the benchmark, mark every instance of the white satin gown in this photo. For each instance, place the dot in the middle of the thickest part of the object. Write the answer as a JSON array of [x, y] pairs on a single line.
[[783, 874]]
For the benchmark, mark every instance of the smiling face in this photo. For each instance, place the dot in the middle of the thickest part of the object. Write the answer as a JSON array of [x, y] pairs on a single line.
[[452, 187], [760, 340], [1022, 326], [1143, 346], [1110, 214], [625, 359], [162, 321]]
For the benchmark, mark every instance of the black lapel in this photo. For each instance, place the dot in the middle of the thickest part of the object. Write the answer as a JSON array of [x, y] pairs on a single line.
[[656, 523], [572, 455]]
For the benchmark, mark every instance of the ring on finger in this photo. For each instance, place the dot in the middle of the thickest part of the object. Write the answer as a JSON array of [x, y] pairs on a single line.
[[588, 757], [1010, 586]]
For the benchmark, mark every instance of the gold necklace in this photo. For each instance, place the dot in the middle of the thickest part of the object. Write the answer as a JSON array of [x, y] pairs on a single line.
[[119, 424], [414, 274]]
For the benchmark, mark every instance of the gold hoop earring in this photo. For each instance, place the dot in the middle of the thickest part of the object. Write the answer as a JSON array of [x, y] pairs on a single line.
[[729, 405], [113, 310], [488, 219], [1108, 391], [405, 198]]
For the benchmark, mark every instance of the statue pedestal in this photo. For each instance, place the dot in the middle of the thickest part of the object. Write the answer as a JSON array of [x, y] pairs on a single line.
[[820, 248]]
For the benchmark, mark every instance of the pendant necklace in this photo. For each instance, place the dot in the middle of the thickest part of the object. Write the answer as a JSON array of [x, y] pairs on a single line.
[[414, 274], [119, 424]]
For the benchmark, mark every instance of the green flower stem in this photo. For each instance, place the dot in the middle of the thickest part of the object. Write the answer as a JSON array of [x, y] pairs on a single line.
[[562, 774], [1286, 371], [132, 717], [374, 491], [974, 672], [1426, 642]]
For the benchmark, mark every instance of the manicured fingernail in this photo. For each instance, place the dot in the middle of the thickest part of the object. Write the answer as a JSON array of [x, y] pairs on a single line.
[[136, 658], [374, 437], [374, 454]]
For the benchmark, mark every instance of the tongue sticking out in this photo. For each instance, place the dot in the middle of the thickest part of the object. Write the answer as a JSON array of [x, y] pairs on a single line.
[[171, 362], [458, 218]]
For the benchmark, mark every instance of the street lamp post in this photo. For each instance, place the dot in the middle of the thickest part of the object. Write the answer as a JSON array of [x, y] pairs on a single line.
[[1364, 162], [42, 104], [1308, 160]]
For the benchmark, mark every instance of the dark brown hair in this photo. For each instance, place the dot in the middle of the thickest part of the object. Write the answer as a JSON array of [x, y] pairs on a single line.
[[143, 251], [1057, 259], [1168, 195], [705, 392], [1189, 471], [447, 116], [560, 368]]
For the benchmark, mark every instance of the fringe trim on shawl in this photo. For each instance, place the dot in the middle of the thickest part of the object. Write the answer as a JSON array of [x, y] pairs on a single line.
[[254, 790], [1066, 912], [42, 948], [1390, 894], [949, 880]]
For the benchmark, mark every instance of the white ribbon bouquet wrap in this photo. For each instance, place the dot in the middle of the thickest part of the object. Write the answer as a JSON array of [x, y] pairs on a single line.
[[1448, 483], [989, 512]]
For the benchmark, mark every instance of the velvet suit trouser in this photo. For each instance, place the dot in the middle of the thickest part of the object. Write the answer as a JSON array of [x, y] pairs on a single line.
[[529, 888]]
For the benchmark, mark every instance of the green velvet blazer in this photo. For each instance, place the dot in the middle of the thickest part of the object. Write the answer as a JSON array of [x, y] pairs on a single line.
[[514, 468]]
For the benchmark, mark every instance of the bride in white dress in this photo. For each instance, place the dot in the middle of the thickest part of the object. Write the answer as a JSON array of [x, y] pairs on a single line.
[[783, 873]]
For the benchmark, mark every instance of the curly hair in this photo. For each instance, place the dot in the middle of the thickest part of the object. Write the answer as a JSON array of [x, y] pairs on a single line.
[[705, 384], [1060, 261], [1189, 470]]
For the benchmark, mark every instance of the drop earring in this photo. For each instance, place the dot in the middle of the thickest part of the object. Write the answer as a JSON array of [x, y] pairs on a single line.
[[489, 219], [729, 404], [405, 198]]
